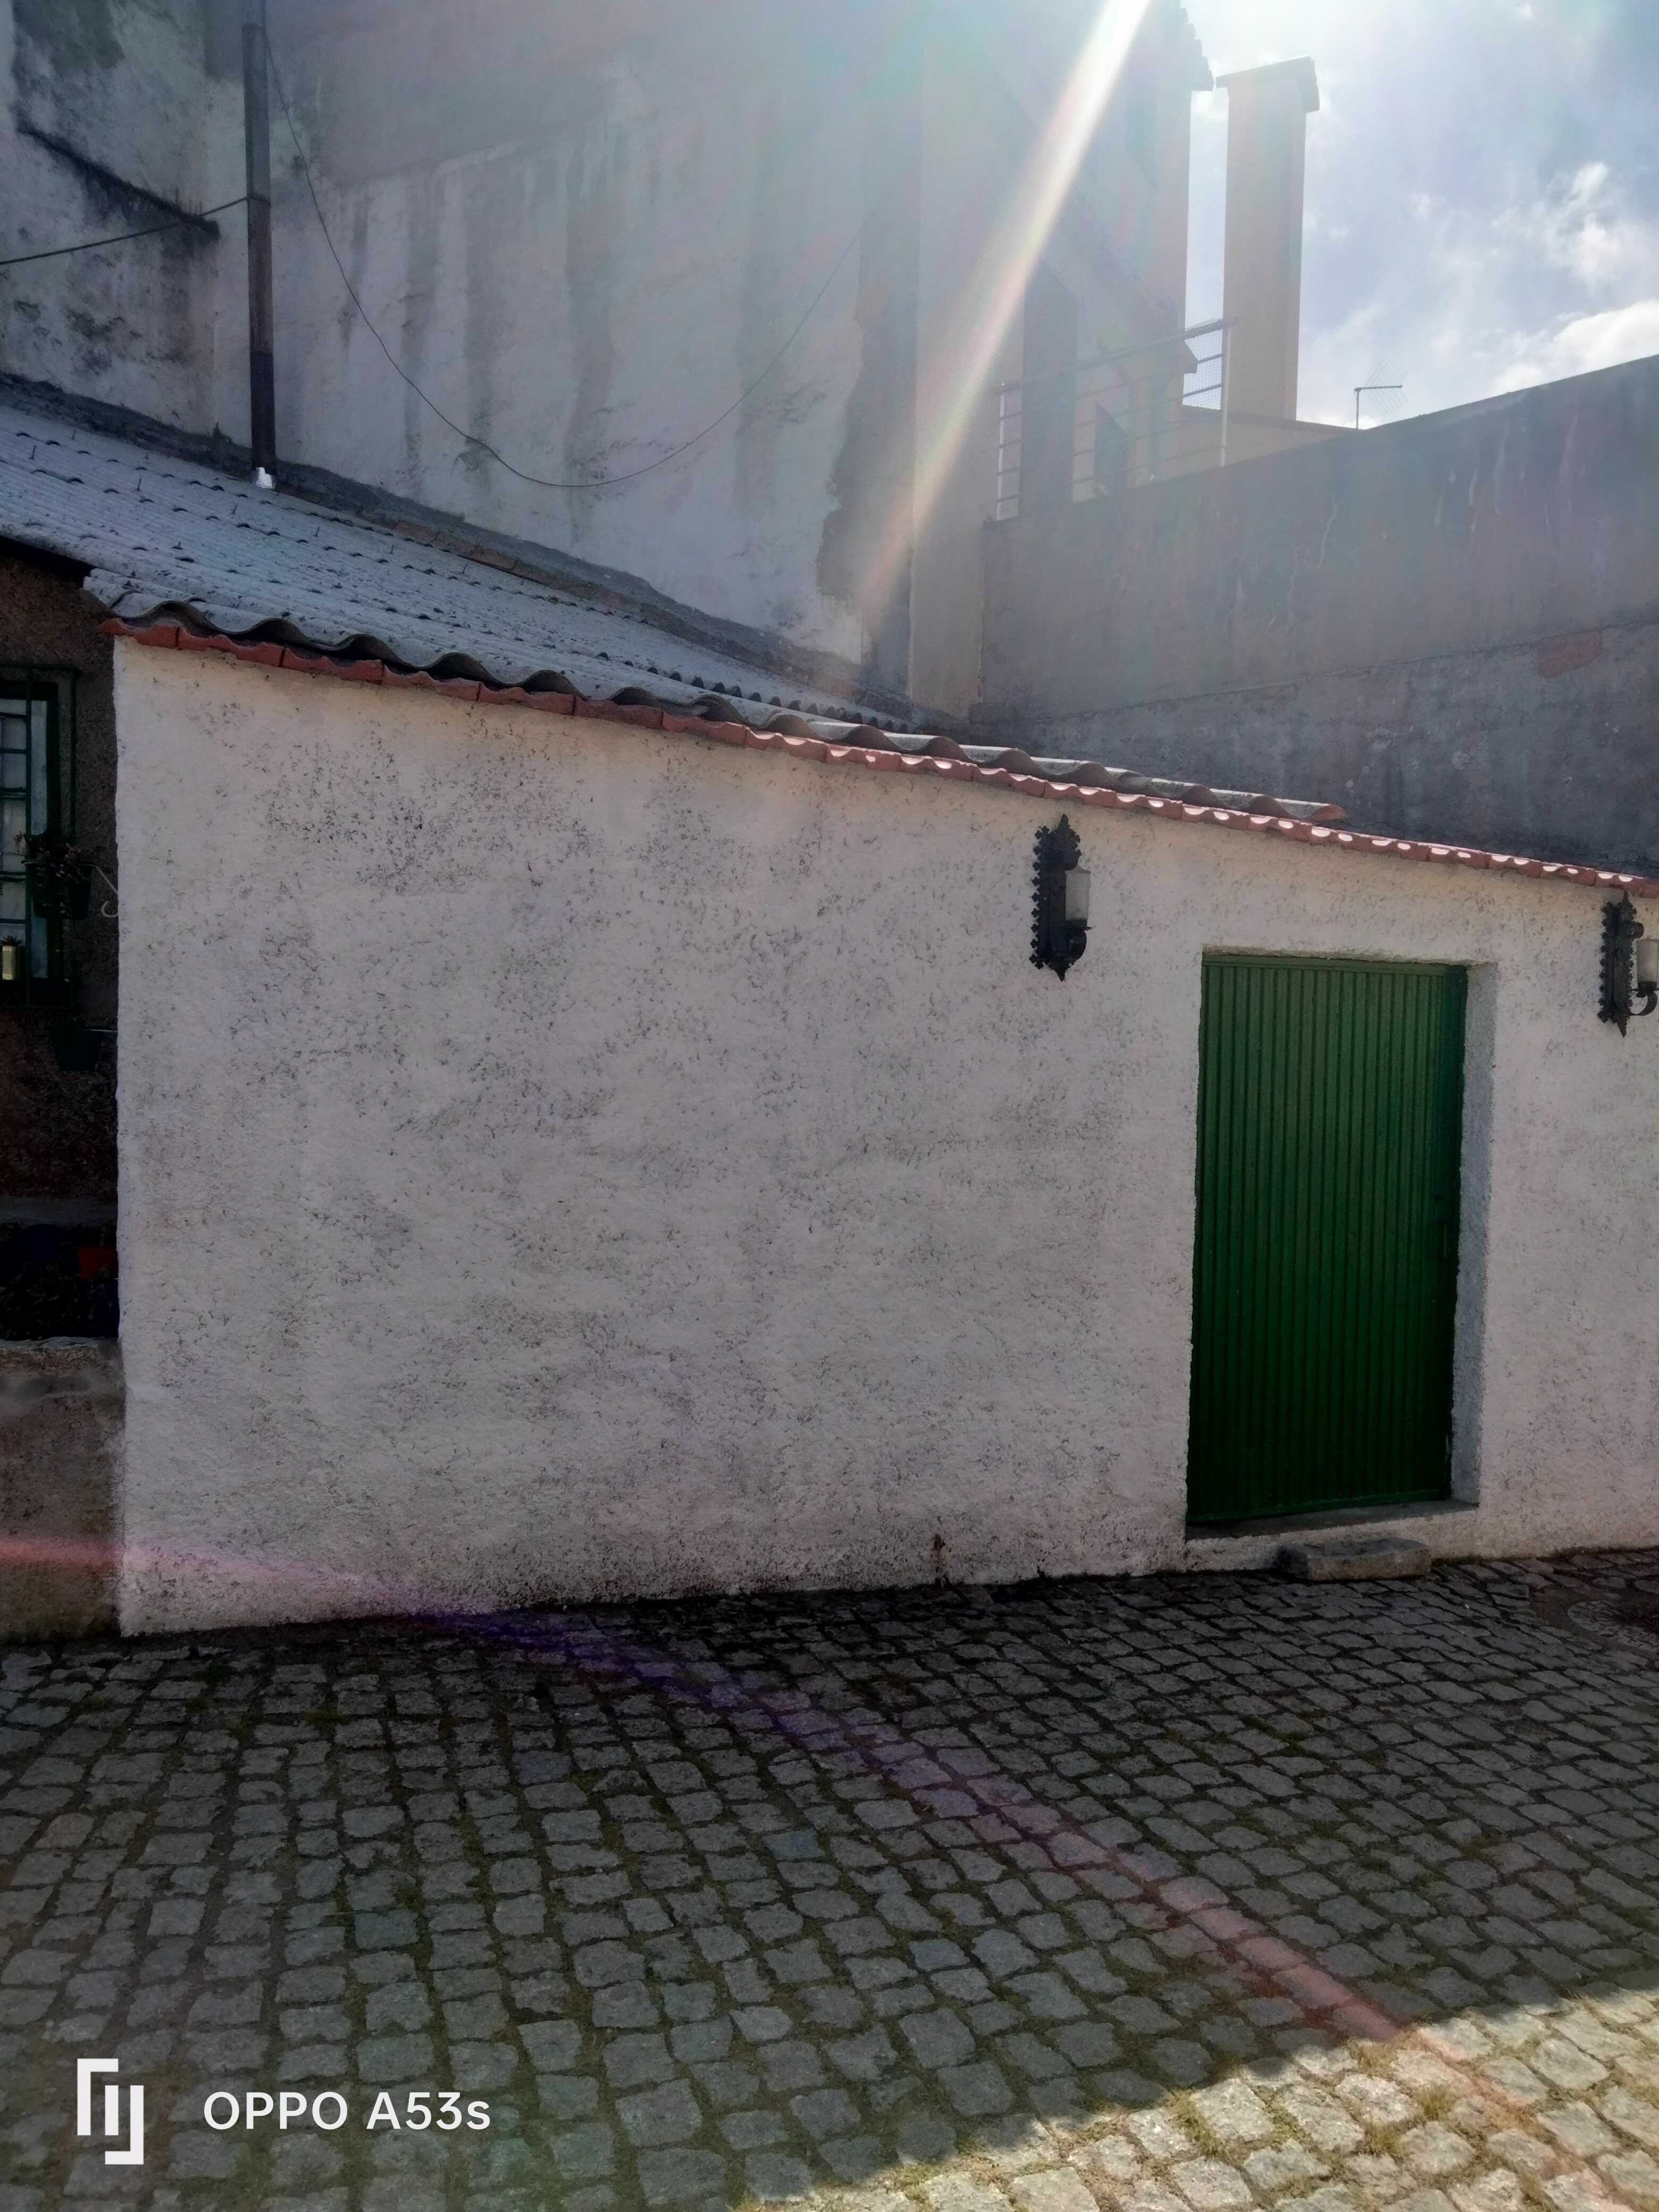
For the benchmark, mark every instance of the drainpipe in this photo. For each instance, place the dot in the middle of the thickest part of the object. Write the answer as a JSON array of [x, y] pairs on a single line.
[[261, 319], [1267, 112]]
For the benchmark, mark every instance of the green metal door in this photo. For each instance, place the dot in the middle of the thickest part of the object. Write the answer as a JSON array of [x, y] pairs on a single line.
[[1329, 1128]]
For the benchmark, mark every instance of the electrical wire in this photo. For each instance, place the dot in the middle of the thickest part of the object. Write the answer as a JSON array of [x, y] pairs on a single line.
[[126, 238], [470, 437]]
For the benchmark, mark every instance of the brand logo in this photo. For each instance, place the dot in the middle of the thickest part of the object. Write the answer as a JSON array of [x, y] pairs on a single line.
[[84, 2069]]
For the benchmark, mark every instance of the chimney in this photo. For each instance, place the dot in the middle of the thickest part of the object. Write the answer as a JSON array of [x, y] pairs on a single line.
[[1267, 112]]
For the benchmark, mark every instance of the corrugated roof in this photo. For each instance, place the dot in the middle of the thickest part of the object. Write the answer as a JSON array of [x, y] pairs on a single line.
[[187, 557], [170, 540], [155, 528]]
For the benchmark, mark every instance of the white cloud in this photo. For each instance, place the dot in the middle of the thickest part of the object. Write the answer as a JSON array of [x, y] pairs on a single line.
[[1483, 208], [1583, 342], [1582, 227], [1477, 300]]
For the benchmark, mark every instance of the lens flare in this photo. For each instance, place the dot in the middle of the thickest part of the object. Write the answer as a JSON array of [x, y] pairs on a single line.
[[955, 378]]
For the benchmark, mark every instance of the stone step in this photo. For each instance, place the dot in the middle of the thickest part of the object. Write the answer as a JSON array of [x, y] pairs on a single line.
[[1353, 1559]]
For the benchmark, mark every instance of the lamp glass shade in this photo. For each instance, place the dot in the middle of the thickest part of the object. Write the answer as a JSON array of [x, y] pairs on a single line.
[[11, 961], [1076, 894], [1647, 963]]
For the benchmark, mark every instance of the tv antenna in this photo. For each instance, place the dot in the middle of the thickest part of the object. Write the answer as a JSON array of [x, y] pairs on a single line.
[[1358, 388]]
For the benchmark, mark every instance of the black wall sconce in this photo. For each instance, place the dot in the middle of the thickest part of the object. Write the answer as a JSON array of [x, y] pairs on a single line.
[[1630, 965], [1060, 900]]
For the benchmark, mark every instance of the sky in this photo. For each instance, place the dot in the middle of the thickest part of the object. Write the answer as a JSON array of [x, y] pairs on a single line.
[[1483, 191]]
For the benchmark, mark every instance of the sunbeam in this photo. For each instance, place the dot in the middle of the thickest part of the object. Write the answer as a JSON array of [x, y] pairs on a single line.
[[954, 379]]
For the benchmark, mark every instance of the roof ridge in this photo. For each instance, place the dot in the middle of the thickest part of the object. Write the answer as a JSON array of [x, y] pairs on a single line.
[[886, 757]]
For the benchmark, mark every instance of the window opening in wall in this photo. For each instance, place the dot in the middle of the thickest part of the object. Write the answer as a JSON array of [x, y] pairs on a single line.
[[37, 799]]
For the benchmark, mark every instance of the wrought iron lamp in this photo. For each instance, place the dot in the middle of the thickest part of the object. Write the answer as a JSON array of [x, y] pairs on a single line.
[[1630, 965], [1060, 900]]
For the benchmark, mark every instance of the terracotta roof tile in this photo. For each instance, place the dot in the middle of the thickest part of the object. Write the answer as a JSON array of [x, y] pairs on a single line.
[[863, 746], [426, 602]]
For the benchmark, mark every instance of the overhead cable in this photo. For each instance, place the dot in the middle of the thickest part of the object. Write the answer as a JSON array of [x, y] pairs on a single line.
[[471, 437], [124, 238]]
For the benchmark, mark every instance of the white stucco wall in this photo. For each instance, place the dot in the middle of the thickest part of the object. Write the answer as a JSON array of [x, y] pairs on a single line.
[[561, 1159]]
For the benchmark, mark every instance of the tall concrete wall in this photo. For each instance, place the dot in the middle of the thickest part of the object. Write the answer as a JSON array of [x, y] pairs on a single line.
[[561, 1159], [589, 234], [586, 237], [590, 266], [1119, 248], [1447, 624], [114, 116]]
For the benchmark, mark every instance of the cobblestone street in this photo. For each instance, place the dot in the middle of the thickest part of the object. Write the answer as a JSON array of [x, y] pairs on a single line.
[[1175, 1895]]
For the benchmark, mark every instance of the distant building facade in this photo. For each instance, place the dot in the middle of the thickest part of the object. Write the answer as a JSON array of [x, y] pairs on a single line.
[[591, 234], [1448, 627]]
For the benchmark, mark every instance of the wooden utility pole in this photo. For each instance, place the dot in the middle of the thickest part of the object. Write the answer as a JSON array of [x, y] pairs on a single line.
[[261, 347]]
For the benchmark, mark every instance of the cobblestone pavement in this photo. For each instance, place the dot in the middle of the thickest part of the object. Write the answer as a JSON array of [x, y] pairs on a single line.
[[1179, 1895]]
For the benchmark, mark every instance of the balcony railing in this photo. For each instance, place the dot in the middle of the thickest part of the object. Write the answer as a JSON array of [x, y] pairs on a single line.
[[1110, 423]]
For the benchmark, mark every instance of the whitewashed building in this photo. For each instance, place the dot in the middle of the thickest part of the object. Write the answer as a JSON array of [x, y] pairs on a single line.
[[586, 1133]]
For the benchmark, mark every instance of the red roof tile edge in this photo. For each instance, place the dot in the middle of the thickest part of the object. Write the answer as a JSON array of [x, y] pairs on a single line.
[[269, 656]]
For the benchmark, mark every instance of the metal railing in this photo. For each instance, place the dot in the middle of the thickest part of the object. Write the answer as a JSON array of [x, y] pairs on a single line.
[[1110, 423]]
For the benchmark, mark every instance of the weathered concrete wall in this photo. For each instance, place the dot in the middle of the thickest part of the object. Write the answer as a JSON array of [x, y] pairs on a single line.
[[57, 1129], [983, 109], [113, 119], [1249, 438], [585, 266], [561, 1159], [590, 236], [1363, 620], [1549, 749], [953, 494], [60, 1442], [589, 267]]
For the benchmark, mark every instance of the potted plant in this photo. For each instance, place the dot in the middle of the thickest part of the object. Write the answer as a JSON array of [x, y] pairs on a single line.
[[60, 878]]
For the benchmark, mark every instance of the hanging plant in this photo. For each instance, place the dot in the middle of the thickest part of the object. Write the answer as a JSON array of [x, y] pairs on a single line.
[[60, 878]]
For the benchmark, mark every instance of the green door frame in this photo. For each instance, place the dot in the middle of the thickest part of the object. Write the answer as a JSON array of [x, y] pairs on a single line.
[[1325, 1259]]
